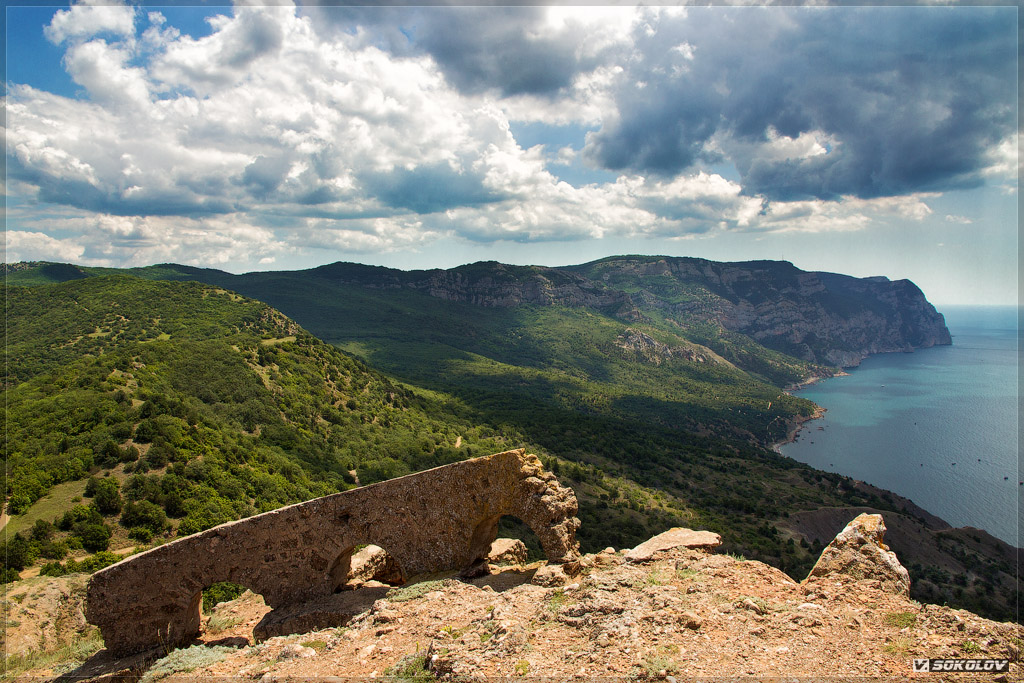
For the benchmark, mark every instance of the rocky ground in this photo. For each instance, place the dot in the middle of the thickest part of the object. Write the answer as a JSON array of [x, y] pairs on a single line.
[[671, 611]]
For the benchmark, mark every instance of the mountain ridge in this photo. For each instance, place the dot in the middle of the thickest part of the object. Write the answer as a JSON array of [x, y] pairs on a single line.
[[819, 317]]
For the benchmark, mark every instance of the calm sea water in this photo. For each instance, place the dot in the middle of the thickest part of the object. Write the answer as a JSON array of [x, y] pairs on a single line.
[[938, 426]]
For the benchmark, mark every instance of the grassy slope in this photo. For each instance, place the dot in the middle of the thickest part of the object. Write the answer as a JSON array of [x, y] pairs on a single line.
[[554, 379]]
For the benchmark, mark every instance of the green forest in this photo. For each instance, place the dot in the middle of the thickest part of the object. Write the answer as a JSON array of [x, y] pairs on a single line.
[[144, 409]]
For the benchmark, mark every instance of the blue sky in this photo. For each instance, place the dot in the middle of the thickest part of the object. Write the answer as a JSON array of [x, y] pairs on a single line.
[[867, 141]]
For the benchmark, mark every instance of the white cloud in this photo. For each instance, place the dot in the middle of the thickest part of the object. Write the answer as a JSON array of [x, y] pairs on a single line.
[[264, 137], [38, 246], [84, 21], [103, 70]]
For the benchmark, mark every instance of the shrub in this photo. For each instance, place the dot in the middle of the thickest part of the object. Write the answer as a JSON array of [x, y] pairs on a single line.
[[144, 514], [222, 591], [77, 515], [95, 537], [18, 553], [41, 531], [185, 660], [53, 550], [107, 498], [93, 563]]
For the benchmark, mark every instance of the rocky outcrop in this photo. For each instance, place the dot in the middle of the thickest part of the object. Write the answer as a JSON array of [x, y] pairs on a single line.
[[672, 539], [373, 563], [682, 612], [653, 351], [444, 518], [858, 551], [819, 317]]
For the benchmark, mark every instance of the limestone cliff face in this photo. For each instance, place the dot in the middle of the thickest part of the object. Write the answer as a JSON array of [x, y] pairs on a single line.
[[819, 317]]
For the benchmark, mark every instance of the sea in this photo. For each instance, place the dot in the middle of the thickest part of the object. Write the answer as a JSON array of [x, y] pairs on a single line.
[[938, 426]]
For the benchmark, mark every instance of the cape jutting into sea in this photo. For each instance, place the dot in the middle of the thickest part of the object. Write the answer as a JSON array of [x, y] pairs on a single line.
[[938, 426]]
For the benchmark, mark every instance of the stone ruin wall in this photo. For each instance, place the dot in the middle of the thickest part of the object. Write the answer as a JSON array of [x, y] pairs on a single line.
[[441, 519]]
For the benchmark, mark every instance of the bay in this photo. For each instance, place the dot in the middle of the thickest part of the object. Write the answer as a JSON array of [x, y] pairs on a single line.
[[938, 426]]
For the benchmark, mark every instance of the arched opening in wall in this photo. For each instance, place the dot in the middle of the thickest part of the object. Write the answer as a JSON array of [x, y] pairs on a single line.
[[513, 528], [507, 561], [365, 565], [226, 614]]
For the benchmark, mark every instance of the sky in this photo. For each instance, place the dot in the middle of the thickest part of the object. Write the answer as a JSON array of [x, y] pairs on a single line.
[[860, 140]]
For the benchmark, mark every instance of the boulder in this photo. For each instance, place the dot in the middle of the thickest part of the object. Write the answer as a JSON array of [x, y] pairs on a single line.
[[858, 552], [549, 576], [507, 551], [678, 537], [373, 563]]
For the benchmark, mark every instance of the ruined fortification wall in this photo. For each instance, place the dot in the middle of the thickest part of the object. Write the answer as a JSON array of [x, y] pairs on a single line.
[[444, 518]]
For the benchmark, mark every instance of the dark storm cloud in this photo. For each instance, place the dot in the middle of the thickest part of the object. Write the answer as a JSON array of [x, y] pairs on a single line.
[[492, 50], [478, 48], [264, 175], [912, 99], [83, 194], [427, 189]]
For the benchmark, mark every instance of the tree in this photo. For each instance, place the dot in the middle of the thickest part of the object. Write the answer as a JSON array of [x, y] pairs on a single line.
[[95, 537], [17, 552], [107, 499], [146, 515]]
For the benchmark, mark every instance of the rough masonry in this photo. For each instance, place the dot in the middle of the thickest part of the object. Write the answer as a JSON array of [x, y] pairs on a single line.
[[440, 519]]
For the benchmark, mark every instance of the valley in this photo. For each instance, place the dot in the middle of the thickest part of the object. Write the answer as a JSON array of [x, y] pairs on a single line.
[[654, 393]]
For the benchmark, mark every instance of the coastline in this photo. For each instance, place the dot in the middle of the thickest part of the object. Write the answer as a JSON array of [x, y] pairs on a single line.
[[797, 423]]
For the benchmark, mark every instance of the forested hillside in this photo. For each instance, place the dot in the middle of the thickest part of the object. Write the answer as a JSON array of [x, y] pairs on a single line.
[[168, 407]]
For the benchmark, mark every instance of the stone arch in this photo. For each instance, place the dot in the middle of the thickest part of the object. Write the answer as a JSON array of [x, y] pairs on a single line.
[[197, 606], [487, 530], [444, 518], [510, 526], [193, 614]]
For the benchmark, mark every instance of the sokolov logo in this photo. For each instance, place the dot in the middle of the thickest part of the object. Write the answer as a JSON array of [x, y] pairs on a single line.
[[932, 665]]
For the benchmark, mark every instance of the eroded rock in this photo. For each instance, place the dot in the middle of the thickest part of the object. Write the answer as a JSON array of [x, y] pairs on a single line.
[[858, 552], [373, 563], [679, 537], [507, 551]]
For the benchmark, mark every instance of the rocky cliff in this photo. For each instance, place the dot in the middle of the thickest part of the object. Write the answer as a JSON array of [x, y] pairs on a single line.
[[822, 318], [671, 607]]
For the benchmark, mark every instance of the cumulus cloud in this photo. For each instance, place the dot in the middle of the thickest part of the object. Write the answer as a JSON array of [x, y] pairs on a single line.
[[369, 129], [85, 20], [900, 100], [508, 50], [38, 246]]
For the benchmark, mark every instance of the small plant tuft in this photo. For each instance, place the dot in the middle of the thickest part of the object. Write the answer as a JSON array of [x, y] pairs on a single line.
[[970, 647], [900, 619], [413, 591], [410, 668], [318, 645], [221, 622], [557, 600], [185, 660], [687, 574], [899, 645]]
